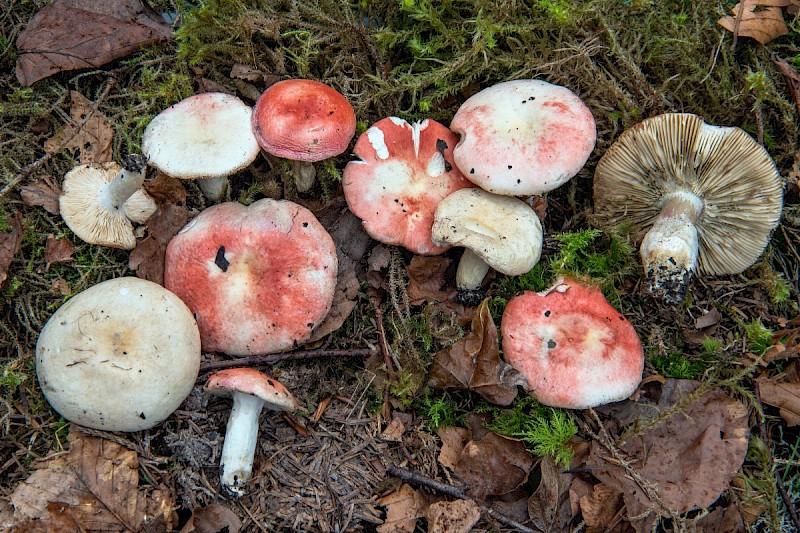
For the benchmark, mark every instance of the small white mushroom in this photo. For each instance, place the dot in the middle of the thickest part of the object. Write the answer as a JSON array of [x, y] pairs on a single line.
[[251, 391], [498, 232]]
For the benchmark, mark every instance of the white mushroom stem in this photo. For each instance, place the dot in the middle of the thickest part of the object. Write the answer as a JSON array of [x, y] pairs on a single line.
[[669, 249], [304, 175], [239, 448], [214, 189], [471, 271], [127, 181]]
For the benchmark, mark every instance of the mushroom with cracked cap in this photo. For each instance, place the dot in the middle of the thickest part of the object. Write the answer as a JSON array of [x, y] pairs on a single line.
[[205, 137], [258, 278], [303, 121], [120, 356], [404, 171], [251, 391], [573, 347], [706, 197], [100, 202]]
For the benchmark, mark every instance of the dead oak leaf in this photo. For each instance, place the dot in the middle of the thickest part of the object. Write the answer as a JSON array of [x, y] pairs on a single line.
[[10, 241], [97, 485], [761, 20], [548, 506], [473, 362], [493, 465], [57, 250], [89, 134], [784, 396], [75, 34], [43, 193]]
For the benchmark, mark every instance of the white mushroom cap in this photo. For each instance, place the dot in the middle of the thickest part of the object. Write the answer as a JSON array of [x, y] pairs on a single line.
[[502, 231], [88, 206], [523, 137], [207, 135], [119, 356], [733, 183]]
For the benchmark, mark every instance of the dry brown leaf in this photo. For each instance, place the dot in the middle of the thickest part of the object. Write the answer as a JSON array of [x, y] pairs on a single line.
[[147, 258], [403, 507], [548, 506], [711, 318], [57, 250], [453, 441], [93, 141], [690, 457], [722, 520], [75, 34], [96, 485], [599, 508], [792, 78], [213, 518], [493, 465], [784, 396], [457, 516], [761, 20], [344, 301], [44, 193], [10, 241], [426, 279], [166, 190], [394, 430], [473, 362]]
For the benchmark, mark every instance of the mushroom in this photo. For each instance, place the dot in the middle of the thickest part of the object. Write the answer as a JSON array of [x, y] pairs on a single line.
[[304, 121], [258, 278], [707, 198], [205, 137], [500, 232], [120, 356], [522, 137], [404, 171], [574, 348], [99, 202], [251, 391]]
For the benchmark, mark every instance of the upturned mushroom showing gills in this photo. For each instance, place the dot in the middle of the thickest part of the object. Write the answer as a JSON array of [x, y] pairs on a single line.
[[706, 198], [100, 202], [574, 348], [258, 278], [523, 137], [205, 137], [251, 391], [303, 121], [404, 171], [120, 356]]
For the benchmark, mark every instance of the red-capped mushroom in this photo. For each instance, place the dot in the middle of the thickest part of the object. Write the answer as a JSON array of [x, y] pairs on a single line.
[[304, 121], [523, 137], [574, 348], [251, 391], [257, 278], [404, 171]]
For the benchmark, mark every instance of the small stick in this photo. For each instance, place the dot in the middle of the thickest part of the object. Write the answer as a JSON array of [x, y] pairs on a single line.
[[762, 429], [455, 492], [273, 358], [27, 170]]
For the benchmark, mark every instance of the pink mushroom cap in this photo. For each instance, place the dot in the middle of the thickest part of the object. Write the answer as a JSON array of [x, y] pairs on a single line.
[[303, 120], [574, 348], [404, 171], [523, 137], [258, 279], [255, 383]]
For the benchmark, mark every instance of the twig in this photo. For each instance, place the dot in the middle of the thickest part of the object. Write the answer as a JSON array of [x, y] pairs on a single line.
[[736, 24], [455, 492], [273, 358], [27, 170], [762, 429]]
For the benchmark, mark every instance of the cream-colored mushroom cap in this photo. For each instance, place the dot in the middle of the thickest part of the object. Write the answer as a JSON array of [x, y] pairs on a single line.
[[503, 231], [86, 209], [120, 356], [736, 183]]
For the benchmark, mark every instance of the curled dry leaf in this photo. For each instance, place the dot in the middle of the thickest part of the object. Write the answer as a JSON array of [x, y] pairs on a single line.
[[10, 241], [473, 362], [42, 193], [213, 518], [147, 258], [761, 20], [403, 507], [453, 441], [599, 508], [493, 465], [92, 141], [457, 516], [75, 34], [784, 396], [57, 250], [548, 506], [689, 457]]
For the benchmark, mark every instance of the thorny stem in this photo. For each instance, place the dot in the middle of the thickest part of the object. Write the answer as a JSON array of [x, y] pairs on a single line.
[[273, 358], [762, 429], [33, 167], [455, 492]]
